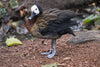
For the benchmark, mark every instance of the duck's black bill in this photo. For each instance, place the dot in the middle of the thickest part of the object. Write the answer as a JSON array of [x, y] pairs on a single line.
[[32, 15]]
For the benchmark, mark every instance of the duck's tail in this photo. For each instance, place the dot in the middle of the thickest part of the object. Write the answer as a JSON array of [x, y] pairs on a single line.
[[66, 31]]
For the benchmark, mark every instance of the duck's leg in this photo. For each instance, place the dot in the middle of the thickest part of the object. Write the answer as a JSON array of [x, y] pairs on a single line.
[[51, 49], [54, 51]]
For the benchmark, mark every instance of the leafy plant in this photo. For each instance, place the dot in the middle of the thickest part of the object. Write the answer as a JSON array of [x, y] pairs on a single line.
[[90, 18]]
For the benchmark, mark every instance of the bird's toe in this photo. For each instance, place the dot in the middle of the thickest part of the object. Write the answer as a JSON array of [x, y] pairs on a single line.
[[46, 53], [51, 55]]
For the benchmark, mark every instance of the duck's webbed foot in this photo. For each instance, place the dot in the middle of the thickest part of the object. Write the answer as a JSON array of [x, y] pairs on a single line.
[[51, 55], [46, 53], [52, 52]]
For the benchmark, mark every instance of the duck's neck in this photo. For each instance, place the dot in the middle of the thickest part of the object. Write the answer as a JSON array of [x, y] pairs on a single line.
[[31, 22]]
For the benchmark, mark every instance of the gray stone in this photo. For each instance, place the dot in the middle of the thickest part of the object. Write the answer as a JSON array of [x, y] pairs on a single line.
[[83, 37]]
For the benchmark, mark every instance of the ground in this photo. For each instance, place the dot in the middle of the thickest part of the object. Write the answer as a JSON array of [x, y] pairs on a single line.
[[28, 54]]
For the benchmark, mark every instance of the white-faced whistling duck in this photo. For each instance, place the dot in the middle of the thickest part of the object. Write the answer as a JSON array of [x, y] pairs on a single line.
[[50, 25]]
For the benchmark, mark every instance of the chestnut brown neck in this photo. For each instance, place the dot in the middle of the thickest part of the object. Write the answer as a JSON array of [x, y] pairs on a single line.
[[31, 22]]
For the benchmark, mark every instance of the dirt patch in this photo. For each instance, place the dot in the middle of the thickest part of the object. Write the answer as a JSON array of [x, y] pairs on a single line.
[[28, 54]]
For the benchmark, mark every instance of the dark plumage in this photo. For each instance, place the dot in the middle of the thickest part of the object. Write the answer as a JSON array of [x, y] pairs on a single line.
[[50, 25]]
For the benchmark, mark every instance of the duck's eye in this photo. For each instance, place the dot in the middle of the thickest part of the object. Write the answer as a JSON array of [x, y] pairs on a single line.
[[36, 9]]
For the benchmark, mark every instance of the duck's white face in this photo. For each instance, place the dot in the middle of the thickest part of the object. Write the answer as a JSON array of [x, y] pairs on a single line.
[[35, 9]]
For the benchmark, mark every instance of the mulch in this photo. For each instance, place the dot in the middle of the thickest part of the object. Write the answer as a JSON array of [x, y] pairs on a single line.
[[29, 54]]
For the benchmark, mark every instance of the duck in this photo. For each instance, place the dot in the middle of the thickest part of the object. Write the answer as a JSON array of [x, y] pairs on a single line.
[[51, 24]]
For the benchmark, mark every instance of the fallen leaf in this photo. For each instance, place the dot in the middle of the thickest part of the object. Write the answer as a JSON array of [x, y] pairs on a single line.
[[50, 65], [67, 58], [63, 64], [13, 41]]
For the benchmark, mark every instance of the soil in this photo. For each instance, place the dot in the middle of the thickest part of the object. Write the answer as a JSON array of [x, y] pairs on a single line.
[[29, 54]]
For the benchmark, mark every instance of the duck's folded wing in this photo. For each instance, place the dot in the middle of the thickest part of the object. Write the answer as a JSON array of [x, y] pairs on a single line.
[[60, 13], [53, 24], [55, 28]]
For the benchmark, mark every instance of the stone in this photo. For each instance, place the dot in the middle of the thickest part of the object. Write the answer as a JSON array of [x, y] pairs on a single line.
[[85, 36]]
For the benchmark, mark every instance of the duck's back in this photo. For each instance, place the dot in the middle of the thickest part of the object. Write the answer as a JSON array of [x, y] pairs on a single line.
[[58, 12], [54, 24]]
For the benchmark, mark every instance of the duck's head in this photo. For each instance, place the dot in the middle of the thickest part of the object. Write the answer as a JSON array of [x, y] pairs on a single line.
[[36, 10]]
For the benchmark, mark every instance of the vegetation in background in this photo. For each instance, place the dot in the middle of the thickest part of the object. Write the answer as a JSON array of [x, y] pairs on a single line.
[[93, 19]]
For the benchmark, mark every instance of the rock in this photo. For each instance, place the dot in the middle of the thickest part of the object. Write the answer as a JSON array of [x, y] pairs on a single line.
[[83, 37], [20, 27], [21, 30], [1, 34], [97, 24]]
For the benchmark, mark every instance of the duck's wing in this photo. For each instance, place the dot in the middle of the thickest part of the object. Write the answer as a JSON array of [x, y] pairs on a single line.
[[58, 28], [60, 13], [51, 24], [44, 20]]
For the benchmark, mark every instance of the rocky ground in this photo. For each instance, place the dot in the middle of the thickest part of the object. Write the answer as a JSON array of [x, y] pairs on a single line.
[[28, 54]]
